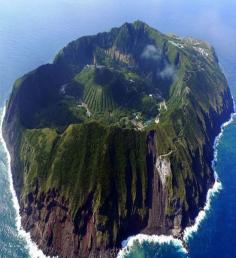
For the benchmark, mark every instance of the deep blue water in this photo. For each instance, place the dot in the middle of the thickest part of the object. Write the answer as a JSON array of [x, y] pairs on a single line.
[[31, 33]]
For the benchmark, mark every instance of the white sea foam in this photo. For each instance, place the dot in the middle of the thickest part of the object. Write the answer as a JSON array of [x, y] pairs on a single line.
[[188, 232], [128, 244], [32, 248]]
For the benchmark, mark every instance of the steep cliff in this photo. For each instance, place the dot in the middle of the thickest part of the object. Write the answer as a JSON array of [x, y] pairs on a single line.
[[114, 138]]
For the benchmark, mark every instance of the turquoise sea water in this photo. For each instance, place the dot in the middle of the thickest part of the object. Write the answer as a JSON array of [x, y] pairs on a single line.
[[31, 32]]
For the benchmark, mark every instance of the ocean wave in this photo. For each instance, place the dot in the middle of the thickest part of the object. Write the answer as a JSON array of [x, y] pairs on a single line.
[[188, 232], [128, 244], [32, 248]]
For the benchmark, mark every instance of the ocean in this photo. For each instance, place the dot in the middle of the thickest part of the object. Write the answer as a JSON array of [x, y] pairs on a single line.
[[32, 32]]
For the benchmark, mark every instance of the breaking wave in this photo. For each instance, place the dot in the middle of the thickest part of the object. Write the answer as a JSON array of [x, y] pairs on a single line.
[[32, 248], [129, 244], [188, 232]]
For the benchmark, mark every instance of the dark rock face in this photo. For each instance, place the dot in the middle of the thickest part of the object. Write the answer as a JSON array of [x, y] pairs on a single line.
[[158, 192], [161, 184], [54, 230], [47, 218]]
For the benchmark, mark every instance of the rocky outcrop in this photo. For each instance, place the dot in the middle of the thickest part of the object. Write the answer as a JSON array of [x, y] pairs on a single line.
[[84, 186], [47, 217], [158, 199], [117, 55]]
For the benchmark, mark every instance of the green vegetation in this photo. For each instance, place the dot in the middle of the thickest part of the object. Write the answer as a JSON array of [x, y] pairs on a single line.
[[85, 120], [96, 94], [89, 159]]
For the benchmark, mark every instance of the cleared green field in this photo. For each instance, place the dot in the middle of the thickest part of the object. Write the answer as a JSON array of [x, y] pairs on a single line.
[[97, 99], [106, 89]]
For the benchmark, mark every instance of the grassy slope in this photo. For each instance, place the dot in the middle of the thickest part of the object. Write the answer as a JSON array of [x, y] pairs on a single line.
[[187, 128], [89, 159], [108, 162]]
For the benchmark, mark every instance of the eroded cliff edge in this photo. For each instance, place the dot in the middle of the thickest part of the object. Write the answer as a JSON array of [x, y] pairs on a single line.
[[115, 138]]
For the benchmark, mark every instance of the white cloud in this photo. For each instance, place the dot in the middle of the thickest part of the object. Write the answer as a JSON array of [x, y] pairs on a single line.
[[151, 52], [168, 72]]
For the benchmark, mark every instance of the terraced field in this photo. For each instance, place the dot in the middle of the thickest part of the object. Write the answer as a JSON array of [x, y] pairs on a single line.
[[104, 89], [97, 99]]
